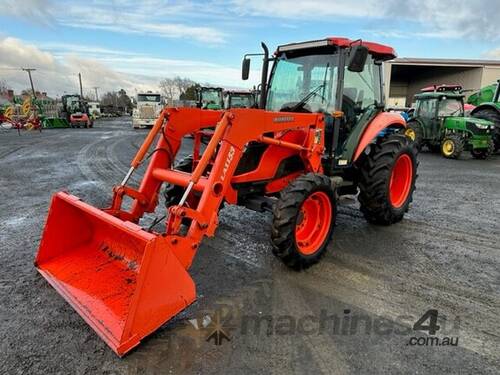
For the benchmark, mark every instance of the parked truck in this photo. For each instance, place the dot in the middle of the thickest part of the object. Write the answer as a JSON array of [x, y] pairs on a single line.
[[148, 108]]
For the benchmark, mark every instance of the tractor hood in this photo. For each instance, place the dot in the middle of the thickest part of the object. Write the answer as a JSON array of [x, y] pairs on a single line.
[[475, 125], [479, 122], [471, 120]]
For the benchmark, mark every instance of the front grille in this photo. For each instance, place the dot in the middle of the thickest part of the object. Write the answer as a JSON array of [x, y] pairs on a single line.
[[473, 128], [146, 112]]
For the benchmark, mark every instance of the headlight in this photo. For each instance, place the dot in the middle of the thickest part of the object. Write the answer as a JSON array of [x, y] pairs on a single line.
[[481, 126]]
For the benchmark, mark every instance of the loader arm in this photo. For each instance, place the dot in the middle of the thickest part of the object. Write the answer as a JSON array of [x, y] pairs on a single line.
[[235, 130], [124, 281]]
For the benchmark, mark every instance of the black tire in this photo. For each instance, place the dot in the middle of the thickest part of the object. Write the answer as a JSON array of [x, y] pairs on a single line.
[[493, 116], [173, 193], [418, 131], [457, 143], [483, 153], [375, 171], [286, 216]]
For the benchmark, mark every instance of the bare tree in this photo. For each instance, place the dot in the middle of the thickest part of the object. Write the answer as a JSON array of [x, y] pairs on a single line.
[[173, 88], [168, 88], [3, 86], [182, 84]]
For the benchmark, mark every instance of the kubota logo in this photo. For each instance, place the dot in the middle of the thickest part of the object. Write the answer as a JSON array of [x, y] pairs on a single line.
[[283, 119], [229, 159]]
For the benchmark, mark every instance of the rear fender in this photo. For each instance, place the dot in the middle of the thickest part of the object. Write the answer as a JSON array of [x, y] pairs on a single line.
[[382, 121], [485, 106]]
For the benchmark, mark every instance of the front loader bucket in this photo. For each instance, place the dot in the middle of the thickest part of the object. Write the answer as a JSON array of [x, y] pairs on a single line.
[[125, 282]]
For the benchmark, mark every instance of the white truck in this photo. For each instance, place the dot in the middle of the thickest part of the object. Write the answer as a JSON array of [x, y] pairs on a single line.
[[148, 108], [94, 109]]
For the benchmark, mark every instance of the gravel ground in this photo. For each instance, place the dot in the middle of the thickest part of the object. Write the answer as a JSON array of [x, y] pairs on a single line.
[[351, 313]]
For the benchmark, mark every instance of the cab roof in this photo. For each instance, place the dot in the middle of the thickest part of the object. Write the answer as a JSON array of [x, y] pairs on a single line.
[[438, 91], [439, 94], [380, 51]]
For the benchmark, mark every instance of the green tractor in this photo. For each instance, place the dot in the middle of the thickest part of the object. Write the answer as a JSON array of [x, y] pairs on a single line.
[[210, 98], [239, 99], [487, 102], [440, 124]]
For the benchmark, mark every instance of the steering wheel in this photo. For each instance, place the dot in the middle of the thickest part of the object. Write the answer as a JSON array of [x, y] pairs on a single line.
[[288, 107]]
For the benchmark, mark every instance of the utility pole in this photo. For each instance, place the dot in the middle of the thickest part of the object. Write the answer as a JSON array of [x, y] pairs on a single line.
[[96, 96], [81, 88], [29, 70]]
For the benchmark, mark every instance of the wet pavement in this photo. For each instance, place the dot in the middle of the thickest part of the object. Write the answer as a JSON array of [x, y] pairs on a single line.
[[353, 312]]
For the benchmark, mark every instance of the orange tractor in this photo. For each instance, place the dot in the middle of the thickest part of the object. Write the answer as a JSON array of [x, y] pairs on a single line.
[[320, 132]]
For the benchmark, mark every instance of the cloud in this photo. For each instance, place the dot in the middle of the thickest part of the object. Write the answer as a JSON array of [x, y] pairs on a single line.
[[468, 19], [127, 17], [493, 54], [139, 19], [58, 64], [312, 9], [38, 11]]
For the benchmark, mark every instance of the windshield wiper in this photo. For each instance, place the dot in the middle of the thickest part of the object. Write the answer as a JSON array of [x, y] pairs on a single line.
[[314, 92], [307, 97]]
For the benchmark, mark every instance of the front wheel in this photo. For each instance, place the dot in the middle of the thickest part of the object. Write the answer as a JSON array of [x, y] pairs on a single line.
[[387, 179], [452, 146], [483, 153], [303, 221]]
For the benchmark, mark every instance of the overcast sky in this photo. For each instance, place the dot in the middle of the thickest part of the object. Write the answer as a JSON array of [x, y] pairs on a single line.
[[133, 44]]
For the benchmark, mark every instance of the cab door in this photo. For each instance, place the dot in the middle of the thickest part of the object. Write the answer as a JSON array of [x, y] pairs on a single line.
[[427, 113]]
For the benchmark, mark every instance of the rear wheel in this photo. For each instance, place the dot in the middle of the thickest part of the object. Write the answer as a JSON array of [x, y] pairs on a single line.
[[483, 153], [303, 221], [387, 179], [493, 116], [452, 146]]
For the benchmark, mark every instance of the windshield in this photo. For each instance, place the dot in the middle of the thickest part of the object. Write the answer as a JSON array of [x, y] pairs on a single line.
[[240, 101], [450, 107], [210, 96], [148, 98], [312, 79], [362, 89]]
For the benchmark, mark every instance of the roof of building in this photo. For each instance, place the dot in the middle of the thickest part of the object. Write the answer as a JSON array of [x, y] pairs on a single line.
[[444, 62]]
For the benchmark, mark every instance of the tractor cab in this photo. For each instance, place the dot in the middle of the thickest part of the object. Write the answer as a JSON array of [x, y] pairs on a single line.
[[439, 122], [210, 98], [239, 99], [337, 77]]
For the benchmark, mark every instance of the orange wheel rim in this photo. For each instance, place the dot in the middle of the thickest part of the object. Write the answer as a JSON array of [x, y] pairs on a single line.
[[401, 179], [313, 222]]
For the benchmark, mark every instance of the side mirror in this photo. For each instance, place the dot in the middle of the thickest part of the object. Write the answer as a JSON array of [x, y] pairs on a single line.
[[357, 58], [245, 69]]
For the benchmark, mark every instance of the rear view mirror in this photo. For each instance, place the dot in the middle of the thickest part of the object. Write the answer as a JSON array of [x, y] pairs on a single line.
[[245, 69], [357, 58]]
